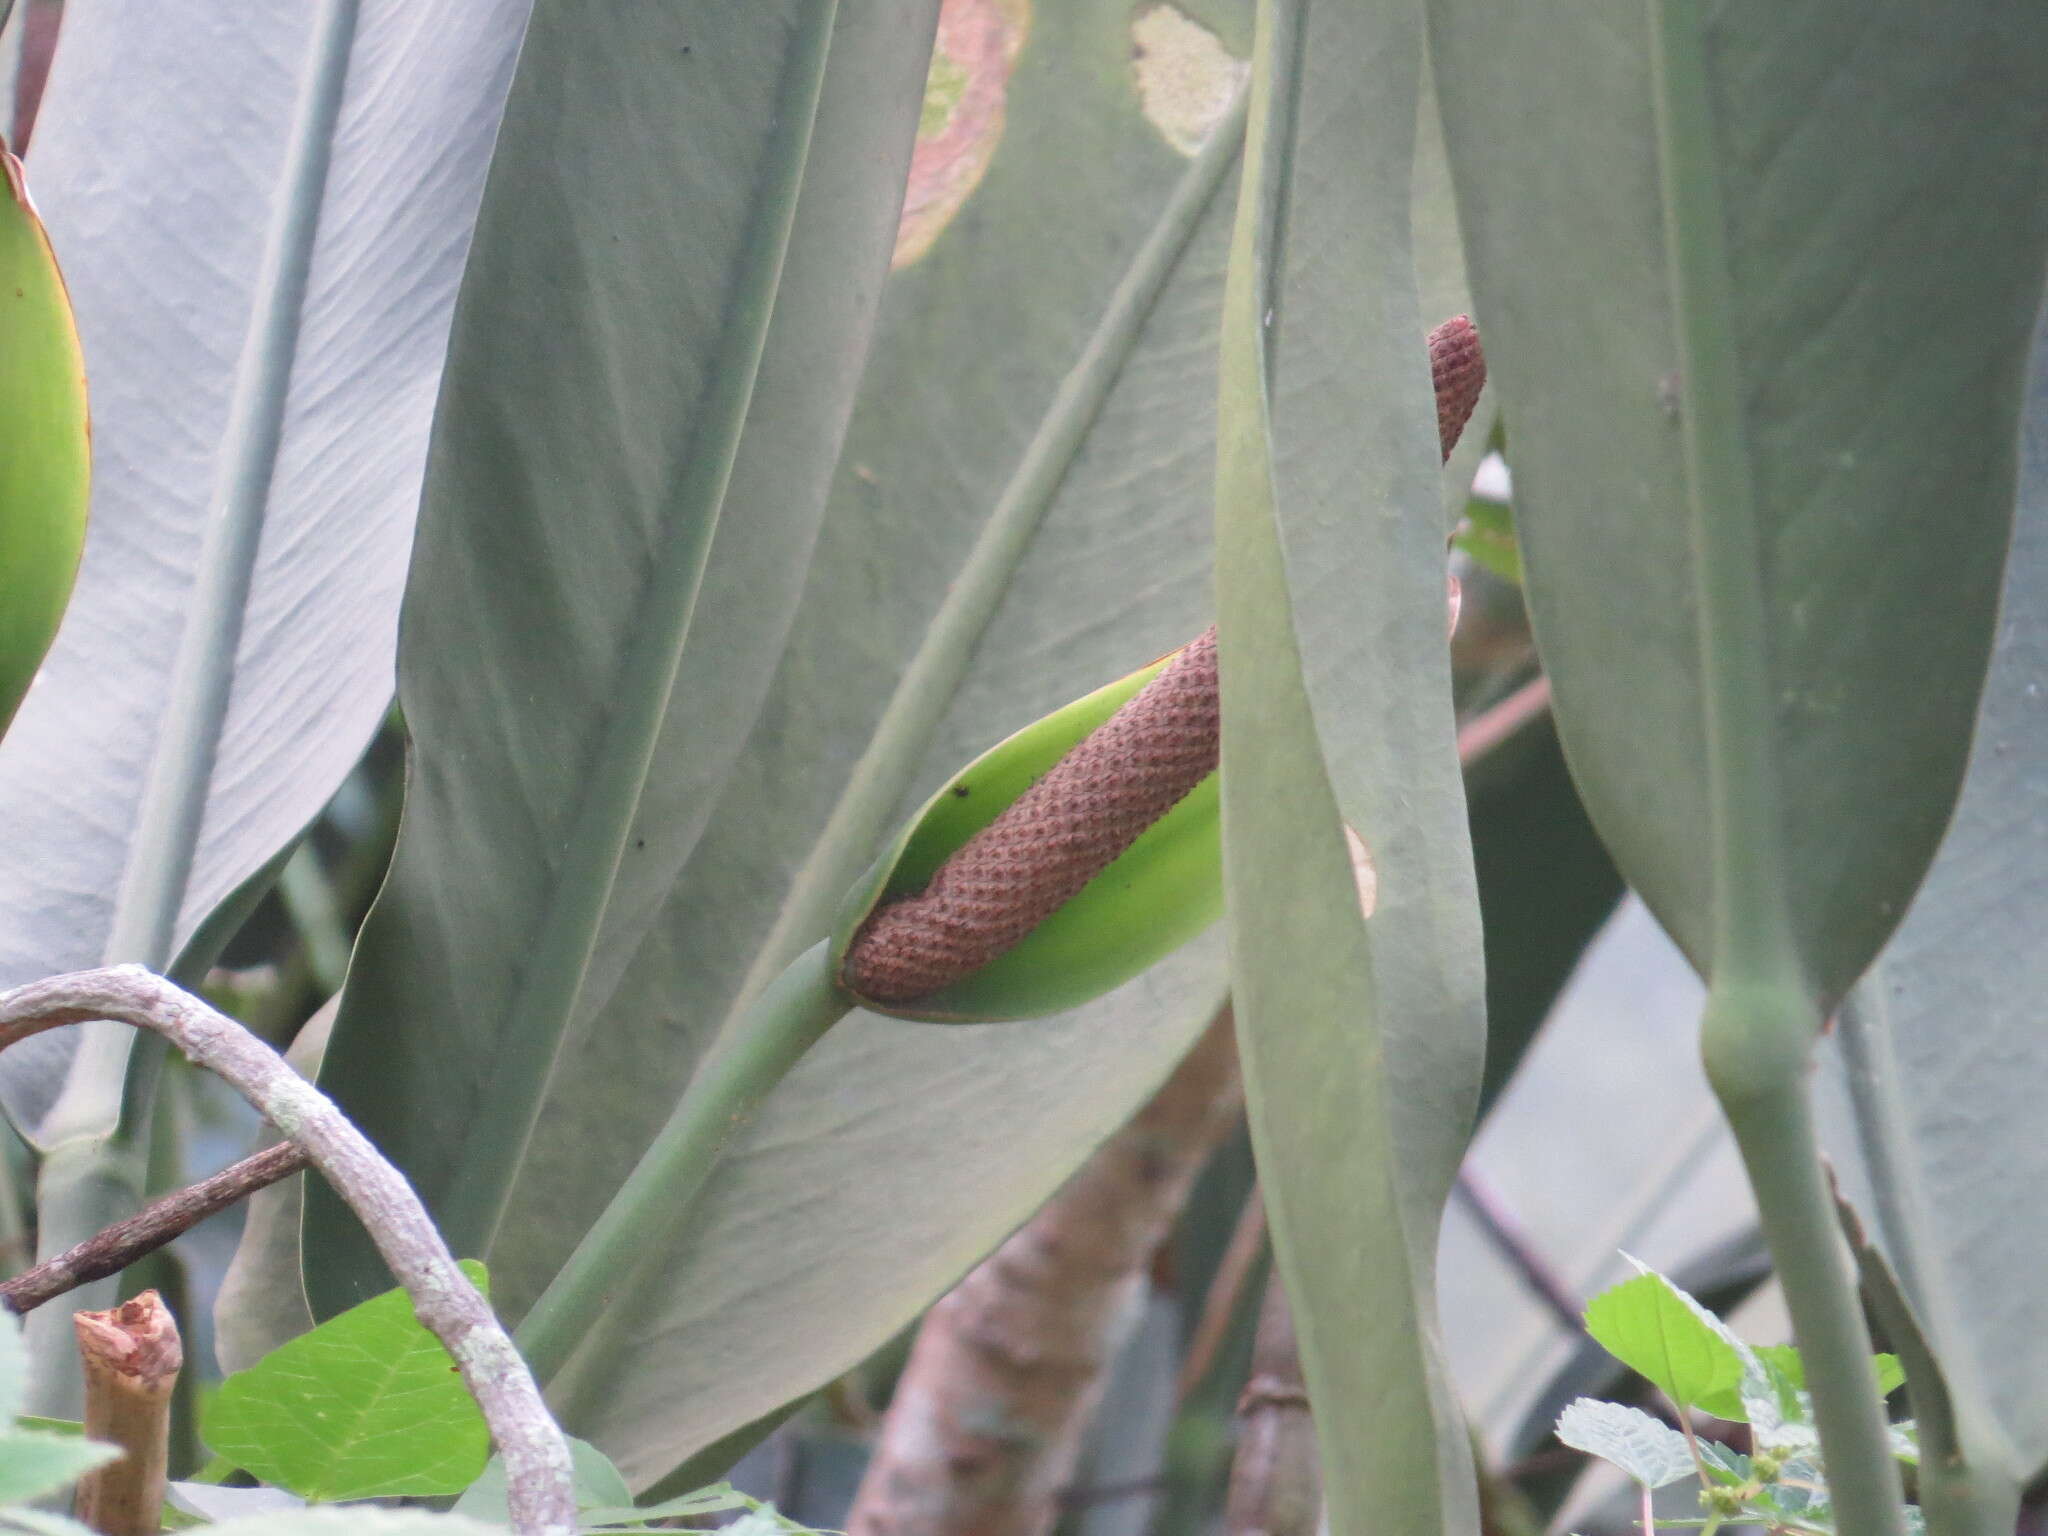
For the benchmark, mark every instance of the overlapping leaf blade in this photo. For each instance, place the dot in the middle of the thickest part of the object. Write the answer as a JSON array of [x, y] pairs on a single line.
[[615, 338], [995, 546], [1020, 515], [1941, 1075], [264, 214], [1362, 1041], [1885, 262]]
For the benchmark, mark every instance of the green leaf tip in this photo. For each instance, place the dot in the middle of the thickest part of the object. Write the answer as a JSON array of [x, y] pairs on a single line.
[[45, 442]]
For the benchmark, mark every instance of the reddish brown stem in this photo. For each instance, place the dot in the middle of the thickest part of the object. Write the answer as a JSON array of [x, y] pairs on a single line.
[[110, 1251], [1276, 1482], [985, 1426], [132, 1356]]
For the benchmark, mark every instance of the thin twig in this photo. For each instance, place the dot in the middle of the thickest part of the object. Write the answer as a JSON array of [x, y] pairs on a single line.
[[1495, 724], [112, 1250], [1276, 1482], [132, 1355], [1504, 1231], [1226, 1290], [536, 1455]]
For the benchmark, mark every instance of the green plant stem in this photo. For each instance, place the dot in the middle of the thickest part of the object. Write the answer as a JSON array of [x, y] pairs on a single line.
[[1761, 1019], [1755, 1039], [785, 1021]]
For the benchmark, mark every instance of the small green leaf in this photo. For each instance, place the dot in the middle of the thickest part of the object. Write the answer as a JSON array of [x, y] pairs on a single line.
[[1784, 1360], [33, 1464], [1787, 1374], [367, 1405], [1488, 535], [714, 1500], [42, 1455], [1659, 1332], [1647, 1449]]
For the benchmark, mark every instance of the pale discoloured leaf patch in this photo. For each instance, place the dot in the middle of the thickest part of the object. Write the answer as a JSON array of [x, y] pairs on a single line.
[[1186, 77], [976, 48]]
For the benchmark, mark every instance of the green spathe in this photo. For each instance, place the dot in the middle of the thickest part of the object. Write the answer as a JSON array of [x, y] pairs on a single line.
[[1162, 891]]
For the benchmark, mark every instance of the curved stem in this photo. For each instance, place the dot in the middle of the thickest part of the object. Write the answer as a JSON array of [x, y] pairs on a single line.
[[786, 1020], [536, 1456]]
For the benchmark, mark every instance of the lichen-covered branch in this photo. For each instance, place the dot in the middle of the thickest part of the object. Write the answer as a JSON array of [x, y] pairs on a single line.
[[536, 1454]]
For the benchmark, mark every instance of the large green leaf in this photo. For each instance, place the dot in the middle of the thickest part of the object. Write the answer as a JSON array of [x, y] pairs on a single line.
[[1940, 1046], [44, 464], [1019, 516], [1880, 170], [264, 212], [593, 503], [1362, 1040]]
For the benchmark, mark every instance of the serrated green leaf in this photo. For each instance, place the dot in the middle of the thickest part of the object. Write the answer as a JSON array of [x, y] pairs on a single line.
[[1654, 1329], [367, 1405], [1646, 1448], [33, 1464]]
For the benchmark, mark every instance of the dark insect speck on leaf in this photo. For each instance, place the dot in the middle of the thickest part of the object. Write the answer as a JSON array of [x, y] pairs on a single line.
[[960, 790], [639, 842]]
